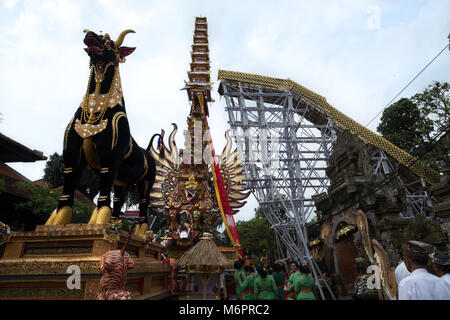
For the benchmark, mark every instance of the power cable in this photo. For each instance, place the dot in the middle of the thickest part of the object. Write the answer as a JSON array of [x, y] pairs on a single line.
[[389, 103]]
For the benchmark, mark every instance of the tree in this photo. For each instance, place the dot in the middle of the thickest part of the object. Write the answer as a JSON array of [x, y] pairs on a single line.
[[89, 183], [412, 123], [401, 124], [54, 170], [256, 236], [434, 103], [43, 201]]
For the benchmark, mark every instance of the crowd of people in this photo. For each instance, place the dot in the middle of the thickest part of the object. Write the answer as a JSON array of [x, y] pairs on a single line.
[[272, 283], [413, 279]]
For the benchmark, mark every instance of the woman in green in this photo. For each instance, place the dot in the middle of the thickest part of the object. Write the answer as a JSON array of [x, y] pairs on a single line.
[[279, 280], [265, 287], [305, 285], [295, 273], [247, 286], [239, 275]]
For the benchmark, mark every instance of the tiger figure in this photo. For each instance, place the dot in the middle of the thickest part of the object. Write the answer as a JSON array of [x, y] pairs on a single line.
[[114, 265]]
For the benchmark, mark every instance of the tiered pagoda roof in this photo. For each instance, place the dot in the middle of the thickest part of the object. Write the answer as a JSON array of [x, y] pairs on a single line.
[[199, 74], [184, 186]]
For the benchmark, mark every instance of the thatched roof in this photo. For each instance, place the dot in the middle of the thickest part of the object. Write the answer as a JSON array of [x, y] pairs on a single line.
[[204, 257]]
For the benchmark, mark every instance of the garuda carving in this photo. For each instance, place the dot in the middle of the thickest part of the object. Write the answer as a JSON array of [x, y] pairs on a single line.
[[186, 194]]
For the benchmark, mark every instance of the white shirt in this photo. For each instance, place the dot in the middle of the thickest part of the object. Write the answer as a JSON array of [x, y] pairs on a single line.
[[445, 281], [401, 272], [421, 285], [446, 278]]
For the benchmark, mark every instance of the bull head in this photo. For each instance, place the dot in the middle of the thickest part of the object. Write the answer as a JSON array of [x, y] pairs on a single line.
[[101, 48]]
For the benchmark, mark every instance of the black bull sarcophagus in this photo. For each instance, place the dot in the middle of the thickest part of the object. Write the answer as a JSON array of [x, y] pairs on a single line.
[[99, 136]]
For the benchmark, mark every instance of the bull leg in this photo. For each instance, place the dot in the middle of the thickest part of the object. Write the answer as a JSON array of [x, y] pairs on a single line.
[[144, 200], [73, 168], [119, 199], [107, 161], [107, 174], [109, 156], [144, 187]]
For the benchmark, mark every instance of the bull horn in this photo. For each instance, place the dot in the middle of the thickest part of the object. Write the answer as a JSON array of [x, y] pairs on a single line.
[[86, 30], [122, 35]]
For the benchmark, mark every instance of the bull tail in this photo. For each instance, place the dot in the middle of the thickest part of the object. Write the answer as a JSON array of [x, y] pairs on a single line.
[[160, 145]]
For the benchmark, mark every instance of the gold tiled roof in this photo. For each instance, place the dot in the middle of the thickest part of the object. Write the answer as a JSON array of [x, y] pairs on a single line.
[[338, 117]]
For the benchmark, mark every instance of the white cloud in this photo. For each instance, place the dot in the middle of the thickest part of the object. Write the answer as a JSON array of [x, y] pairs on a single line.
[[262, 42], [9, 4], [128, 16], [63, 14]]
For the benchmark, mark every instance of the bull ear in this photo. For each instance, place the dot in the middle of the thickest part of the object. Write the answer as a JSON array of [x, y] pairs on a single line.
[[125, 51]]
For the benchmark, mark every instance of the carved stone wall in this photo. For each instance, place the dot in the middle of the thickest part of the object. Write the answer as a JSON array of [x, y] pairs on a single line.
[[356, 194], [441, 191]]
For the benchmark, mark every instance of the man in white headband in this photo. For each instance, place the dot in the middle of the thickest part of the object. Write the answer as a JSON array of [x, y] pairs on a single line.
[[441, 267], [420, 285]]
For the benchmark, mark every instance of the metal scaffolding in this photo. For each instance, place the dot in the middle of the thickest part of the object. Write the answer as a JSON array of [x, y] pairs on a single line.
[[285, 141], [417, 199], [284, 156]]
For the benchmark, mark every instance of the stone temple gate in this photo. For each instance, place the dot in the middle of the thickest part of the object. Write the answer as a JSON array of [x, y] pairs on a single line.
[[284, 134]]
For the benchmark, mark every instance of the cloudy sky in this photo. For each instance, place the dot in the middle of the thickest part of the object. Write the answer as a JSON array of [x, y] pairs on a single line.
[[358, 54]]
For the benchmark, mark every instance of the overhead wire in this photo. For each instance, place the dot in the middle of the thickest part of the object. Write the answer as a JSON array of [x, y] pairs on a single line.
[[426, 149], [405, 87]]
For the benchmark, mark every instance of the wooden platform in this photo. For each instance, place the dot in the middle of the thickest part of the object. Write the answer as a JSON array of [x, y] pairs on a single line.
[[35, 263]]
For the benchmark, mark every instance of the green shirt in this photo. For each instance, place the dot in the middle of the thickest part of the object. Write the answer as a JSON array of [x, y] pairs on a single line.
[[236, 280], [247, 287], [304, 287], [279, 281], [266, 288], [292, 279]]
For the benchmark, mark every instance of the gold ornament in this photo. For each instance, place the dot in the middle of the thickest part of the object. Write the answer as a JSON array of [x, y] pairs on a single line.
[[191, 183], [111, 232], [104, 215], [94, 105], [61, 216], [5, 233]]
